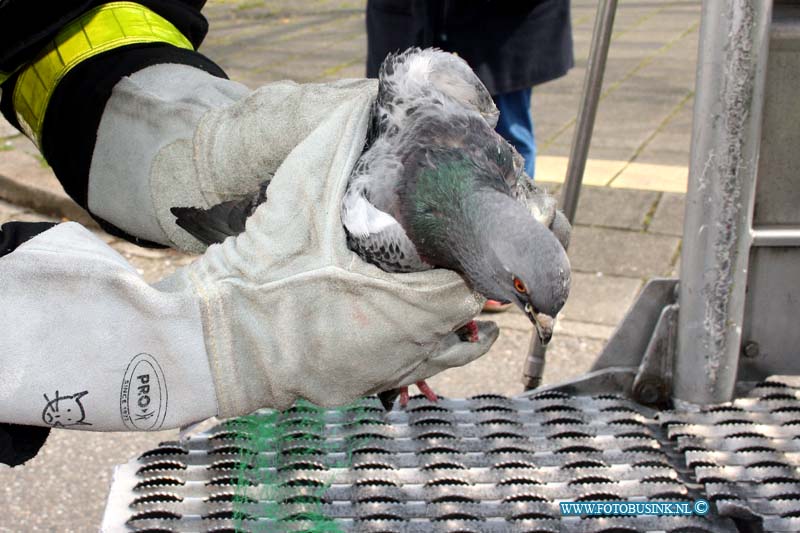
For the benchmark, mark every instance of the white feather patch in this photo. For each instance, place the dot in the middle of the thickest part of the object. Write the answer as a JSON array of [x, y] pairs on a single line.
[[361, 218], [419, 67]]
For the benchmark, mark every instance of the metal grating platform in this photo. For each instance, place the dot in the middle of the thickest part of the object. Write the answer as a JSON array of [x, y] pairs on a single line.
[[747, 453], [486, 464]]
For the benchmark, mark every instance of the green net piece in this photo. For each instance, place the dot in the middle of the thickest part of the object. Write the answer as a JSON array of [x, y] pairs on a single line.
[[275, 447]]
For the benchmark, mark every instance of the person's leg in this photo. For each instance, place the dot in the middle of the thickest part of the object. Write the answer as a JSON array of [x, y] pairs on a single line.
[[516, 124]]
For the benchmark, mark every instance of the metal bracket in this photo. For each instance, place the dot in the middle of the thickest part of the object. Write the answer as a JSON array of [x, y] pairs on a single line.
[[653, 382], [631, 338], [617, 380], [637, 361]]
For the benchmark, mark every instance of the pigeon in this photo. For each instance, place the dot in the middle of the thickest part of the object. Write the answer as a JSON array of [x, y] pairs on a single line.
[[437, 187]]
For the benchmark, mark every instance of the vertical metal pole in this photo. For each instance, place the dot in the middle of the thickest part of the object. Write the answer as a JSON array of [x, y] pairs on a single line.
[[726, 134], [592, 84]]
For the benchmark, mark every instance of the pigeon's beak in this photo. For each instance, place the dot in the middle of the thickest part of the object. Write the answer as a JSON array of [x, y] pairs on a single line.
[[542, 322]]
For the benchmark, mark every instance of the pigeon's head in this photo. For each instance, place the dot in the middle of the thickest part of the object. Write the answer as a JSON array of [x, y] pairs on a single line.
[[524, 263]]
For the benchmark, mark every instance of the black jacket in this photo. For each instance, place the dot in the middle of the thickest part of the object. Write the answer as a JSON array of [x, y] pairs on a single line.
[[511, 45], [73, 114], [26, 25]]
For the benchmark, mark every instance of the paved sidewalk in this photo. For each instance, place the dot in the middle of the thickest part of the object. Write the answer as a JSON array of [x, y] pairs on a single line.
[[628, 223]]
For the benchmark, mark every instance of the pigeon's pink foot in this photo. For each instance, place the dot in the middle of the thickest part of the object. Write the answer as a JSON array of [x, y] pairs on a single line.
[[403, 397], [472, 328], [423, 387]]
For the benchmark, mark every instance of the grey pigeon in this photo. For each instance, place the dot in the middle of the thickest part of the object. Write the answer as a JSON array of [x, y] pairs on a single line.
[[438, 187]]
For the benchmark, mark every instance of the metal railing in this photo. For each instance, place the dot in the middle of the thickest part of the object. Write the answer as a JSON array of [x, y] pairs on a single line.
[[579, 151]]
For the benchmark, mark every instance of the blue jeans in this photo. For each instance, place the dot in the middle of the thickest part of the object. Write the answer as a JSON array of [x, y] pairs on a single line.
[[516, 124]]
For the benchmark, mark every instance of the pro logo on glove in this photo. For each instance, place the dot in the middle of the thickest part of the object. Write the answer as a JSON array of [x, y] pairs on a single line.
[[143, 398]]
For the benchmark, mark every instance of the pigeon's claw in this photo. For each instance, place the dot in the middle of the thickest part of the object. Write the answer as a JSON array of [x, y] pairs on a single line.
[[468, 332], [403, 397], [472, 327], [425, 389]]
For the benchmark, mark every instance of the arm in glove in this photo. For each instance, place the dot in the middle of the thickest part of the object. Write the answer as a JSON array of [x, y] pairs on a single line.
[[283, 311], [173, 135], [129, 127]]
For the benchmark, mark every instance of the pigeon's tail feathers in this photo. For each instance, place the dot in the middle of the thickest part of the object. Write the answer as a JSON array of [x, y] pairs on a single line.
[[218, 222], [388, 398], [212, 225], [407, 78]]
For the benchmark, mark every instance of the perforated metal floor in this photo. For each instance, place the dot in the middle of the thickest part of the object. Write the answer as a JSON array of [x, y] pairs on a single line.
[[485, 464], [747, 453]]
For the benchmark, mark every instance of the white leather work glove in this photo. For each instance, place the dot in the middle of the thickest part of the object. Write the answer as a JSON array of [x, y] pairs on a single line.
[[289, 311], [284, 310], [173, 135]]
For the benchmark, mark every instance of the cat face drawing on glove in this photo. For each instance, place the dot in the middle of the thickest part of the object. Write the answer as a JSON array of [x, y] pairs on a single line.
[[64, 411]]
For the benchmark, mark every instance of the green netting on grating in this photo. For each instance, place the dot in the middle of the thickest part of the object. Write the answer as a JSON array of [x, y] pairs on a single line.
[[276, 448]]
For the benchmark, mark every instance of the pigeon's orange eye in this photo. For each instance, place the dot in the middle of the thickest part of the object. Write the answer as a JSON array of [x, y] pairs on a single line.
[[521, 288]]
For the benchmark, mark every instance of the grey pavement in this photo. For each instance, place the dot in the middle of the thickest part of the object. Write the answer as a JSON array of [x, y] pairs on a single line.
[[628, 228]]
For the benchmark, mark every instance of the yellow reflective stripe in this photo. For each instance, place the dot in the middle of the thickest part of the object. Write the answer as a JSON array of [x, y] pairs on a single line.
[[4, 76], [102, 29]]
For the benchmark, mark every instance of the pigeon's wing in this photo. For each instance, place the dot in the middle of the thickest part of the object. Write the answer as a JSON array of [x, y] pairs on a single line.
[[561, 228], [372, 230], [544, 208], [542, 205], [218, 222], [390, 249]]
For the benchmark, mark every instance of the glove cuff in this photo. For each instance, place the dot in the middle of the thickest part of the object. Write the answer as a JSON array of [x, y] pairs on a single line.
[[90, 335], [145, 137], [236, 147]]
